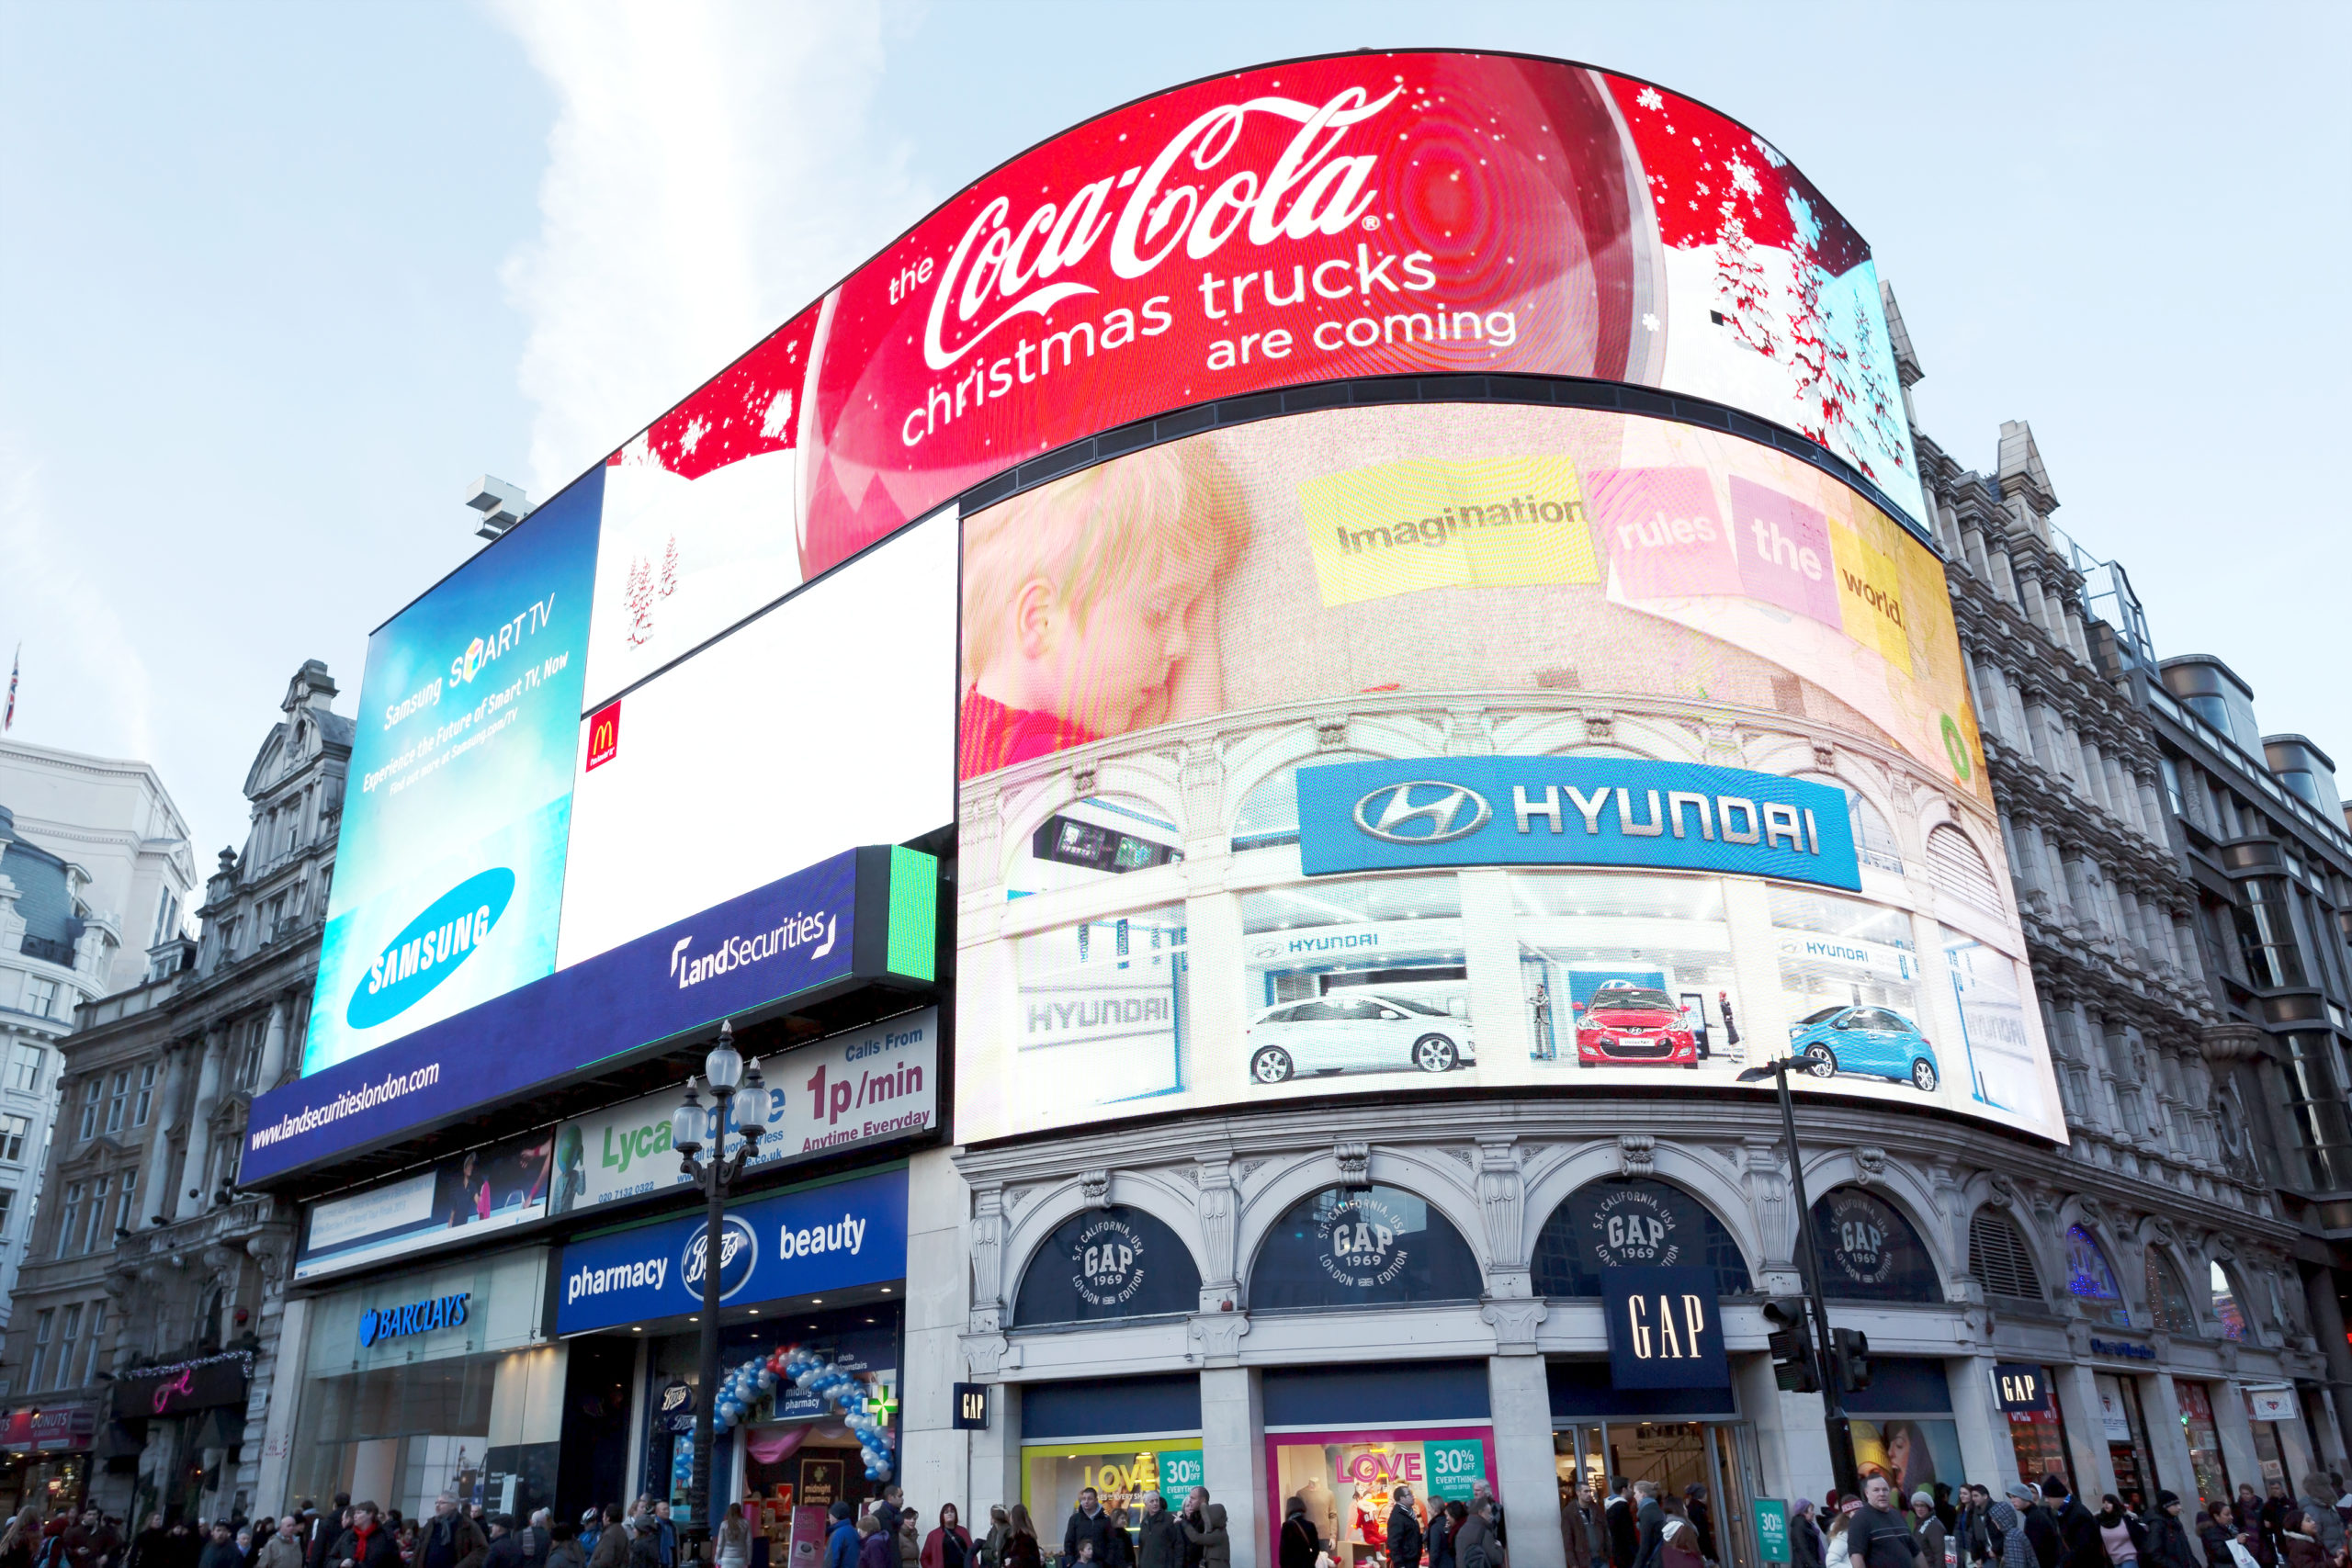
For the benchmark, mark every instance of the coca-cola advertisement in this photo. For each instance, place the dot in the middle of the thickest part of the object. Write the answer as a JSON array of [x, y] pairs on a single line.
[[1324, 219]]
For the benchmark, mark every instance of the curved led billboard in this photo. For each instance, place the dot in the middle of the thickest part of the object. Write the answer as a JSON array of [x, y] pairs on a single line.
[[1410, 749], [1354, 215], [584, 779]]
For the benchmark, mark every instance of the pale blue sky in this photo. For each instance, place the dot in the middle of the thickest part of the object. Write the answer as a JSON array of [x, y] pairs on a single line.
[[277, 280]]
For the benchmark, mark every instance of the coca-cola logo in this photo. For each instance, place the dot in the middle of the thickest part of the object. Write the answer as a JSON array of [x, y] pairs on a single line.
[[1000, 270]]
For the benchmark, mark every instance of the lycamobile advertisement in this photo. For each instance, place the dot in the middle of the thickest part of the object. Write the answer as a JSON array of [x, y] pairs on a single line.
[[449, 874], [870, 1086], [835, 1236], [866, 914], [1351, 216]]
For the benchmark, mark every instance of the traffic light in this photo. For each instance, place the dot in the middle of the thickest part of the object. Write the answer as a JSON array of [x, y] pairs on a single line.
[[1851, 1348], [1790, 1338]]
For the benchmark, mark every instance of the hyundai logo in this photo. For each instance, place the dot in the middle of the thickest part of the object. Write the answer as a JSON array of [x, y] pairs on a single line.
[[1438, 810]]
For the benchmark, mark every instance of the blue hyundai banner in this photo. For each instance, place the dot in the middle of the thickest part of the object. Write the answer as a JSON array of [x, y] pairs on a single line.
[[775, 942], [1391, 816], [1665, 1327], [796, 1244]]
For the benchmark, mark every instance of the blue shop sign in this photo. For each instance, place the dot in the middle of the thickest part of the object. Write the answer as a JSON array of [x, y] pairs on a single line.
[[379, 1323], [821, 1238], [1436, 811]]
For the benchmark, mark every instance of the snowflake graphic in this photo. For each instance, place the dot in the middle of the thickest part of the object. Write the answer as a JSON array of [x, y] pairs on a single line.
[[1744, 180], [1648, 99], [1772, 155], [1649, 321], [695, 430], [778, 422]]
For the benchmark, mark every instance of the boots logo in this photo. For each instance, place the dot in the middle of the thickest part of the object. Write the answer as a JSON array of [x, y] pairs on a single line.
[[1397, 814], [1109, 1255], [429, 948], [739, 1254], [1002, 270], [1362, 1244]]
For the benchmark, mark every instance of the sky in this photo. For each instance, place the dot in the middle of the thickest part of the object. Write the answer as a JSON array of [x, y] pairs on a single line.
[[279, 282]]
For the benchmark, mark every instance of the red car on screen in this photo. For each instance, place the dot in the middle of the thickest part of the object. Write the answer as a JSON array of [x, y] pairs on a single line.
[[1625, 1023]]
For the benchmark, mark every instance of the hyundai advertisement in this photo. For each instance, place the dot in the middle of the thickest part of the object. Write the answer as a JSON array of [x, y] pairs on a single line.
[[1375, 748], [449, 871]]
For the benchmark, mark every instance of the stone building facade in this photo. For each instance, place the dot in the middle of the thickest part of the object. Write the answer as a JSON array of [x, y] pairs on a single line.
[[170, 1268]]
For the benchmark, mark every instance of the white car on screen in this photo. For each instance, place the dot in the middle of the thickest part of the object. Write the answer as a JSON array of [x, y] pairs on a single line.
[[1352, 1031]]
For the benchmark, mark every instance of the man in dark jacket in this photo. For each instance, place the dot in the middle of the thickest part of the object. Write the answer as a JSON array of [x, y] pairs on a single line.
[[1481, 1491], [505, 1546], [1088, 1522], [1625, 1535], [1650, 1522], [1405, 1530], [1194, 1523], [1160, 1541], [2168, 1536], [220, 1550], [2078, 1534], [449, 1539], [612, 1542]]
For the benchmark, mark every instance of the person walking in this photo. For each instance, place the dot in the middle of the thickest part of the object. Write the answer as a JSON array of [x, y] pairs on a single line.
[[2164, 1541], [2298, 1540], [1576, 1529], [1477, 1543], [564, 1549], [2317, 1501], [612, 1542], [1703, 1519], [367, 1544], [449, 1539], [1877, 1537], [1209, 1538], [1021, 1549], [1159, 1539], [1404, 1533], [2005, 1529], [284, 1548], [1619, 1525], [1089, 1526], [949, 1545], [2119, 1534], [1483, 1491], [1438, 1543], [992, 1547], [731, 1546], [1804, 1535], [1933, 1537], [2079, 1545], [1649, 1521], [1679, 1548], [874, 1546], [1195, 1518], [1298, 1544]]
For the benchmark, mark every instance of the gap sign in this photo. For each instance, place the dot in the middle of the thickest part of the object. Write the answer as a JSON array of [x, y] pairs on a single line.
[[1390, 816], [1665, 1327]]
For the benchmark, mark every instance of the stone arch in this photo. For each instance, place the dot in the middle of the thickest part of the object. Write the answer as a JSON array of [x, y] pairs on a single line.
[[1449, 1193], [1908, 1191], [1554, 1181], [1872, 817], [2076, 1213], [1735, 1276], [2047, 1270], [1020, 807], [1029, 1226]]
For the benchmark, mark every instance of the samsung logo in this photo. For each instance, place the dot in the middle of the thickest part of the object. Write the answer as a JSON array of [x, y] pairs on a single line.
[[429, 948]]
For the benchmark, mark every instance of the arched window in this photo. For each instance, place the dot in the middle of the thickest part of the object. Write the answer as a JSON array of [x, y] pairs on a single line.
[[1632, 1221], [2228, 1308], [1999, 1258], [2091, 1280], [1269, 813], [1367, 1246], [1873, 836], [2168, 1297], [1957, 867], [1107, 1263], [1869, 1252]]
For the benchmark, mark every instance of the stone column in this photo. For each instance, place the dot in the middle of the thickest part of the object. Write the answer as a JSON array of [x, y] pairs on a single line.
[[1984, 1446], [273, 1047], [1526, 1478], [292, 1349], [2078, 1393], [2160, 1407], [1233, 1459], [2236, 1430], [199, 1128], [155, 1170], [2327, 1322]]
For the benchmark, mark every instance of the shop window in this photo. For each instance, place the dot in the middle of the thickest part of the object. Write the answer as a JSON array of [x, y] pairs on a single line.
[[1870, 966], [1358, 976], [2204, 1436], [1632, 1221], [1092, 840], [2229, 1310], [1618, 969], [1370, 1246], [1269, 814], [1105, 1264], [1959, 870], [1102, 1011], [2169, 1301], [1999, 1258], [1867, 1251], [2091, 1278]]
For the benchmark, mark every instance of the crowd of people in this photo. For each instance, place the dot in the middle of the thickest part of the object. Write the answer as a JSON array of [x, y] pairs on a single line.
[[2026, 1526]]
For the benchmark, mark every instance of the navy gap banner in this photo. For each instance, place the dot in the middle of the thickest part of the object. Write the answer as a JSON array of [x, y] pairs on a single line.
[[1393, 816], [1665, 1327]]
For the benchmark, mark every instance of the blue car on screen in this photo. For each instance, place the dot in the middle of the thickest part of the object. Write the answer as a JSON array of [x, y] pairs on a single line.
[[1870, 1042]]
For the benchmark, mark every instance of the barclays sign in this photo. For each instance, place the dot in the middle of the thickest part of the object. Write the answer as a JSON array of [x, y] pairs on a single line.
[[1390, 816]]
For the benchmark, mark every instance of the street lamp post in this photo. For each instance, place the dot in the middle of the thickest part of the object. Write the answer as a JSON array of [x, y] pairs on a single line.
[[1833, 1400], [724, 1071]]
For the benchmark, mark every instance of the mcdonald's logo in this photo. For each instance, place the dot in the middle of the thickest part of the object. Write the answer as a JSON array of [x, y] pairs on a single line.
[[604, 736]]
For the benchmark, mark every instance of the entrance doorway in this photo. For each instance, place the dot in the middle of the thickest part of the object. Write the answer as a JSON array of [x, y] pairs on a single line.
[[1718, 1455]]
